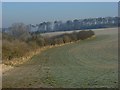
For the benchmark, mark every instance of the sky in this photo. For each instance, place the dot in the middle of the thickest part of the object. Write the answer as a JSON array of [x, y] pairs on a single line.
[[0, 15], [60, 0], [36, 12]]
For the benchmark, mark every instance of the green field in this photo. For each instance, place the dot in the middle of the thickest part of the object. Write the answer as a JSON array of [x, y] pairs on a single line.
[[84, 64]]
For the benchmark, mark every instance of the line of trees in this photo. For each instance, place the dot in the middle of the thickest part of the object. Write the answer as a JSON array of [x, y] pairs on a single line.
[[77, 24]]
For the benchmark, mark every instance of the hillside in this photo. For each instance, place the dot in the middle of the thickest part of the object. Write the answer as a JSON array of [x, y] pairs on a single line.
[[84, 64]]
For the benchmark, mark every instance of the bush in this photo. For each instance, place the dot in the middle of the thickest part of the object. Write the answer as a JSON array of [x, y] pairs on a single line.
[[73, 36], [14, 49], [40, 41], [85, 34], [58, 41], [66, 38]]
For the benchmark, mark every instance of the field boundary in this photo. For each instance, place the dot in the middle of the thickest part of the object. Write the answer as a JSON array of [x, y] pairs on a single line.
[[10, 64]]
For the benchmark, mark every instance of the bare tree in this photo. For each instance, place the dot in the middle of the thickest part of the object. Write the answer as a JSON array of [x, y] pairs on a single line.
[[20, 31]]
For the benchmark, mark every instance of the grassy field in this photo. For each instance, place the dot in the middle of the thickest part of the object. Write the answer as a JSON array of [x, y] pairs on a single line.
[[84, 64]]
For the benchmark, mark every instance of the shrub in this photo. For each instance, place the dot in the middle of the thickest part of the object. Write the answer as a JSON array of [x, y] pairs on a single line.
[[58, 41], [66, 38], [85, 34], [73, 36], [40, 41], [14, 49]]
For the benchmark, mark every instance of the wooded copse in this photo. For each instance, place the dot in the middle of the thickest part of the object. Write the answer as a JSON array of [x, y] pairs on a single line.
[[20, 41], [76, 24]]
